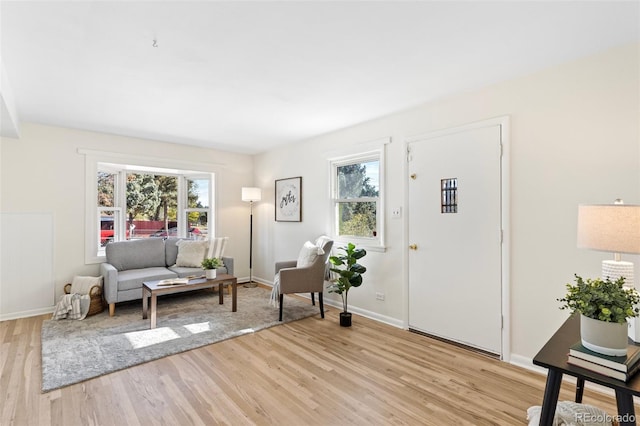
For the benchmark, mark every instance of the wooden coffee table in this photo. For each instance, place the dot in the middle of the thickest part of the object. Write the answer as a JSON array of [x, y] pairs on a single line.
[[153, 290]]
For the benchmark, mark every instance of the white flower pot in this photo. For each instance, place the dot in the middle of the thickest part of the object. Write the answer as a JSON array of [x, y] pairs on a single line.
[[607, 338], [210, 274]]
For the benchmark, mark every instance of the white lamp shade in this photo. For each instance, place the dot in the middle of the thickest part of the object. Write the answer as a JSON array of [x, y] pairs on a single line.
[[613, 228], [251, 194]]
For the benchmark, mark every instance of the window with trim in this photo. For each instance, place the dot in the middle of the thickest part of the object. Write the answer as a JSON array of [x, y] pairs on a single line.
[[135, 202], [356, 189]]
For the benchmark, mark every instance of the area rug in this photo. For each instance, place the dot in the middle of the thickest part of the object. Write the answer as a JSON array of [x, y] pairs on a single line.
[[73, 351]]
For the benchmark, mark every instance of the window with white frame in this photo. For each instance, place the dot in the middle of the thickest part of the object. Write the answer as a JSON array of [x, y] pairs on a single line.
[[356, 183], [136, 202]]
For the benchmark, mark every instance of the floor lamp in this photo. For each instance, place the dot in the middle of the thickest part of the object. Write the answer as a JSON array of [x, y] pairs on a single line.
[[251, 195], [613, 228]]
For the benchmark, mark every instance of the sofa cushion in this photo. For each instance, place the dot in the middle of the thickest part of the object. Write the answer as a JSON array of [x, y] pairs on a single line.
[[136, 254], [133, 278], [191, 253], [171, 250]]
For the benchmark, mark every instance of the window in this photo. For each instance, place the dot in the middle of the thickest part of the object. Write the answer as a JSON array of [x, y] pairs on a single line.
[[356, 189], [134, 202]]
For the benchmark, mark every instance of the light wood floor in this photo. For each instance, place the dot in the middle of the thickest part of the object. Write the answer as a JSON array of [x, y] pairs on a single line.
[[310, 372]]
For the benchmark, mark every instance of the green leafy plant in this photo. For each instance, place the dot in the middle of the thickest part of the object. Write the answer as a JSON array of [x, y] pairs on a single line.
[[604, 300], [211, 263], [349, 273]]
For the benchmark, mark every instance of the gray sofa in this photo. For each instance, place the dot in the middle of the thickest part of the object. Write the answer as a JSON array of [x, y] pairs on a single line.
[[130, 263]]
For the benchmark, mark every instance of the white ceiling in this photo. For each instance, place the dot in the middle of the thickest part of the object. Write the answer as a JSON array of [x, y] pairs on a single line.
[[248, 76]]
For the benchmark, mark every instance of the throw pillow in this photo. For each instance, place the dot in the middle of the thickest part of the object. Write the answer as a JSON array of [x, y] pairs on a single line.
[[82, 285], [307, 255], [217, 246], [191, 253]]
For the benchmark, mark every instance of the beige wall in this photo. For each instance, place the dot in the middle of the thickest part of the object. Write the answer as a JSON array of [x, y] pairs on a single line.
[[574, 139], [43, 172]]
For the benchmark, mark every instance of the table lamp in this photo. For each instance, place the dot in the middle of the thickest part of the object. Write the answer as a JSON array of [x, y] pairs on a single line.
[[613, 228]]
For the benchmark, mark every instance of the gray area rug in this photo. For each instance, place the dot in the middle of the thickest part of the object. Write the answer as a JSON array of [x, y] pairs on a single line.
[[73, 351]]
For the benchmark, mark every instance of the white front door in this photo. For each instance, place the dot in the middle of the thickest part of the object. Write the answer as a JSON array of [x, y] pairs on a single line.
[[455, 235]]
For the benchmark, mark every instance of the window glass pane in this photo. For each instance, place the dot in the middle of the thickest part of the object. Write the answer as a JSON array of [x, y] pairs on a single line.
[[198, 193], [106, 189], [357, 219], [359, 180], [152, 202], [197, 224], [107, 226]]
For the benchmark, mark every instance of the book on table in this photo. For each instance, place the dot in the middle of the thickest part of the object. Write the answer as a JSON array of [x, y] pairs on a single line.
[[173, 281], [605, 371], [620, 363]]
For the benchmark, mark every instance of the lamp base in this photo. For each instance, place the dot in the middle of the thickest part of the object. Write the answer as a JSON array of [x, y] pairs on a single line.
[[614, 269], [251, 284]]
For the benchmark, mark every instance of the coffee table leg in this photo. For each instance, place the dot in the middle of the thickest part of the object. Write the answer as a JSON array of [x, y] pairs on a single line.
[[145, 303], [234, 296], [220, 294], [154, 302]]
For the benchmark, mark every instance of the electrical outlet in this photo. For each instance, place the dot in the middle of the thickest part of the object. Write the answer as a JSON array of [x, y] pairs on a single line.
[[396, 213], [379, 296]]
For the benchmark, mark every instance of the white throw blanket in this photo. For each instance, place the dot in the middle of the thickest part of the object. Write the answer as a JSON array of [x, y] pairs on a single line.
[[275, 291], [570, 413], [72, 306]]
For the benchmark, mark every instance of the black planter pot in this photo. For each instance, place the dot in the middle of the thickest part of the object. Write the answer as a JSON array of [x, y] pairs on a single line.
[[345, 319]]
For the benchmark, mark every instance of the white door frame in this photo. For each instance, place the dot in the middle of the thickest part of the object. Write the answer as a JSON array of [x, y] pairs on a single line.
[[505, 177]]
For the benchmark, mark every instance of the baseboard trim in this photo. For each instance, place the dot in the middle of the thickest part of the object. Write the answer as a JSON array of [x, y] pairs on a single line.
[[25, 314]]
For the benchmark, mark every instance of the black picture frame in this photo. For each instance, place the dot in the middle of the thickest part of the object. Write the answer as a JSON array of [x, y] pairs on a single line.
[[288, 200]]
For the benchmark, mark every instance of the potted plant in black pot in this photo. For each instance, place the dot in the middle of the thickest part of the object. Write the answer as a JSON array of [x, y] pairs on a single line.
[[349, 273], [604, 307]]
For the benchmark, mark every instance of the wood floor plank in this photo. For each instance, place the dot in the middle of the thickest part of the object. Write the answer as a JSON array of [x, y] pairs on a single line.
[[308, 372]]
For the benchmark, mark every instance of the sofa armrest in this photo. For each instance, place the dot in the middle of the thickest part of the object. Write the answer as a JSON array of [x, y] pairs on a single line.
[[228, 263], [285, 264], [110, 279]]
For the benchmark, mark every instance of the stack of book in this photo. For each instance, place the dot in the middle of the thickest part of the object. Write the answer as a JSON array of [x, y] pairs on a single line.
[[617, 367]]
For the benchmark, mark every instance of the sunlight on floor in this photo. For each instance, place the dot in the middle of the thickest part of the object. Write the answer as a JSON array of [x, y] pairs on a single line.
[[198, 328], [141, 339]]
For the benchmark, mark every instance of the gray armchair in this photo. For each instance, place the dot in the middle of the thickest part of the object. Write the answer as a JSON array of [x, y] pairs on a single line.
[[304, 279]]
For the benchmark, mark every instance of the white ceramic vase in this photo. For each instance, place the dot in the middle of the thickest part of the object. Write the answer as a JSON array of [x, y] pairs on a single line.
[[210, 274], [607, 338]]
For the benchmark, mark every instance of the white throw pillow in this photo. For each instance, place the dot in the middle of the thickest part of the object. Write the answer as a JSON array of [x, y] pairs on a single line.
[[217, 246], [191, 253], [307, 255], [82, 285]]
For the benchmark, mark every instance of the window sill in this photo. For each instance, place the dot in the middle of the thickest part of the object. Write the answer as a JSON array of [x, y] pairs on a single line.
[[368, 246]]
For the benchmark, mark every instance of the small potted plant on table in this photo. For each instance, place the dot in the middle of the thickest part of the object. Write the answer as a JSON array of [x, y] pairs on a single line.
[[210, 264], [604, 307], [349, 275]]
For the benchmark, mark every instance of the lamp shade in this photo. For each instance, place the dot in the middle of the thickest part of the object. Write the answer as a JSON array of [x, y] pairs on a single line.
[[251, 194], [613, 228]]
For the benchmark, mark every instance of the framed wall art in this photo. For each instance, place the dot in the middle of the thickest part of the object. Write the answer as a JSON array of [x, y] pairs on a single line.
[[289, 199]]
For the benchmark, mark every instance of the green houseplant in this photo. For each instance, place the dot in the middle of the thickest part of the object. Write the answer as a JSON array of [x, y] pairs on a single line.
[[604, 307], [349, 274], [210, 264]]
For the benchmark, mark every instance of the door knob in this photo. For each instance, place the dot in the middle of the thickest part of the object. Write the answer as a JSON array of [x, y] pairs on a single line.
[[413, 247]]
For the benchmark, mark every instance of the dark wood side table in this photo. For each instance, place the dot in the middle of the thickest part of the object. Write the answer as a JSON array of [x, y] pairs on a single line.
[[553, 356]]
